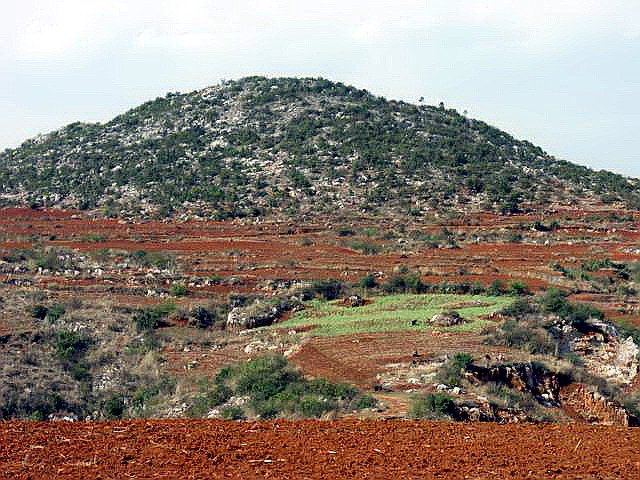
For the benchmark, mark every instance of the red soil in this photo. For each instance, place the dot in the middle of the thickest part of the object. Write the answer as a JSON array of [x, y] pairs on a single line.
[[283, 251], [357, 359], [314, 449]]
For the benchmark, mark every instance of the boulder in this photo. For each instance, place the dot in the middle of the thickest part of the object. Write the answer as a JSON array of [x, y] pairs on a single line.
[[447, 319], [356, 301]]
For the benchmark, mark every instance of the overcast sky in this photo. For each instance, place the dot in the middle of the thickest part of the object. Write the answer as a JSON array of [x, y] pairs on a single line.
[[564, 74]]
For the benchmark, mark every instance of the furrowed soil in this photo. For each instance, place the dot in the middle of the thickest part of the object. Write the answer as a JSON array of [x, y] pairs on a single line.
[[316, 449]]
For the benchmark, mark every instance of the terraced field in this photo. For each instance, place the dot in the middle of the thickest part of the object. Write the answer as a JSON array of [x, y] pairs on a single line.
[[396, 313]]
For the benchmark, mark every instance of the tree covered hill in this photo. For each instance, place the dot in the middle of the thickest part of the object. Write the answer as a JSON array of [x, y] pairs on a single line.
[[261, 146]]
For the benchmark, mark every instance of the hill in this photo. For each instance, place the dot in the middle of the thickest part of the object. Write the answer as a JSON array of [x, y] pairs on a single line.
[[261, 146]]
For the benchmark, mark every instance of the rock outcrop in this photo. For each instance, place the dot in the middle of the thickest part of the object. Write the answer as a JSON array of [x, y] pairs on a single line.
[[260, 314], [586, 405], [543, 384], [606, 352], [447, 319]]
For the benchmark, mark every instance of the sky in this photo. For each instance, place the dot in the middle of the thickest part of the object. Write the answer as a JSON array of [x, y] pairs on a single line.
[[563, 74]]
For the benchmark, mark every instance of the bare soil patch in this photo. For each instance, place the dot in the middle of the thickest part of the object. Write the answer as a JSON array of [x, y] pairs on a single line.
[[316, 449]]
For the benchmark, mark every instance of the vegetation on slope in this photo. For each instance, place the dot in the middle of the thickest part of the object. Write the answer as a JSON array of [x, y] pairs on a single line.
[[256, 146]]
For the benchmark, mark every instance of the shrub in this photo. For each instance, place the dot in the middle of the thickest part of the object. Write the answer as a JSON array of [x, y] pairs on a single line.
[[410, 282], [363, 401], [496, 288], [219, 395], [520, 307], [368, 282], [203, 317], [509, 398], [577, 315], [629, 330], [274, 388], [80, 372], [178, 290], [39, 404], [55, 312], [364, 247], [328, 289], [264, 377], [114, 407], [554, 302], [233, 412], [526, 335], [312, 406], [451, 372], [158, 260], [152, 318], [518, 288], [432, 406], [51, 261], [39, 312], [68, 345], [147, 319]]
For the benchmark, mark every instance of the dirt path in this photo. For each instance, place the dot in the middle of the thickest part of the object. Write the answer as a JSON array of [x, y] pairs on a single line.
[[314, 449]]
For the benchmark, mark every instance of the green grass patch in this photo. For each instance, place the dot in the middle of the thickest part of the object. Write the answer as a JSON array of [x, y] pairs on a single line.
[[396, 313]]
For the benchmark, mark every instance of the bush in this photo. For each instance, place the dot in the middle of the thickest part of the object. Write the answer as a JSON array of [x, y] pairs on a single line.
[[629, 330], [311, 406], [328, 289], [363, 401], [264, 377], [518, 288], [509, 398], [554, 302], [520, 307], [432, 406], [147, 319], [233, 412], [114, 407], [152, 318], [368, 282], [451, 372], [178, 290], [365, 247], [39, 404], [39, 312], [219, 395], [53, 261], [55, 312], [69, 345], [157, 260], [274, 388], [203, 317], [496, 288], [410, 282], [529, 336], [577, 315]]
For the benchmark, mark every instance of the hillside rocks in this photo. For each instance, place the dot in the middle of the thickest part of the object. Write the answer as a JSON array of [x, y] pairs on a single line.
[[604, 351], [523, 377], [243, 318], [593, 407], [550, 389], [607, 354], [260, 313], [447, 319]]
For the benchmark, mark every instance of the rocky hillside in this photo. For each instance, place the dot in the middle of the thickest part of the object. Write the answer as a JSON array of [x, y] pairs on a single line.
[[260, 146]]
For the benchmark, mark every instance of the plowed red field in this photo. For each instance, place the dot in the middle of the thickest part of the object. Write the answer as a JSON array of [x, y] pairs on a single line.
[[315, 449]]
